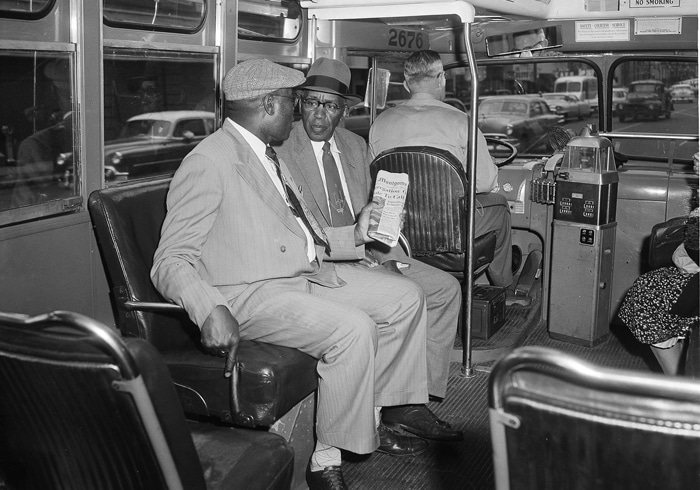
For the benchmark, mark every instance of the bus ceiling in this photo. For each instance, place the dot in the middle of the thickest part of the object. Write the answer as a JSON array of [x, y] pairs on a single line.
[[507, 9]]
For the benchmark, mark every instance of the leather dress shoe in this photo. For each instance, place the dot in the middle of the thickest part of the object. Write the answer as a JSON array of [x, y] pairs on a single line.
[[395, 444], [329, 478], [419, 420]]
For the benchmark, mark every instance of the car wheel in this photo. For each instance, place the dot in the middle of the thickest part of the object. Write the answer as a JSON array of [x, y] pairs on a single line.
[[622, 118]]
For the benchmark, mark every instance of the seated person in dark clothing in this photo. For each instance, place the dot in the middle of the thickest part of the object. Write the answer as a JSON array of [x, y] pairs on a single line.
[[661, 307]]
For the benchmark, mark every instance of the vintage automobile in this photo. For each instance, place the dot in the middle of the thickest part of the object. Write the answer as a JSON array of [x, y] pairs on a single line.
[[152, 143], [521, 120], [568, 106], [155, 143], [647, 99], [358, 118], [619, 94], [682, 92]]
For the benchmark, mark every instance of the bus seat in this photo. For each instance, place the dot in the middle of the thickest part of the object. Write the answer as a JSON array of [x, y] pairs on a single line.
[[436, 218], [272, 379], [559, 422], [83, 408]]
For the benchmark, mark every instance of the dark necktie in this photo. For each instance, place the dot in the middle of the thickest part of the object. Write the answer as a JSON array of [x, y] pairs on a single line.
[[297, 207], [340, 212]]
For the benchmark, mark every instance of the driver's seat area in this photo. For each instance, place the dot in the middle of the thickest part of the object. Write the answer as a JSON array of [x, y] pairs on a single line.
[[436, 208]]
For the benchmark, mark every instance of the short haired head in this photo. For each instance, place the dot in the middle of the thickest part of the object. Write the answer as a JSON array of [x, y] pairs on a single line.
[[253, 78], [422, 72]]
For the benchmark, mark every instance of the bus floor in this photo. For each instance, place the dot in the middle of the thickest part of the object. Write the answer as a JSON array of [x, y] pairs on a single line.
[[468, 464]]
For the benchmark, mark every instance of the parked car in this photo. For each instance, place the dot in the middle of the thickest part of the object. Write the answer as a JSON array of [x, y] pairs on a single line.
[[646, 98], [568, 106], [522, 120], [152, 143], [619, 94], [682, 92], [358, 116], [693, 82]]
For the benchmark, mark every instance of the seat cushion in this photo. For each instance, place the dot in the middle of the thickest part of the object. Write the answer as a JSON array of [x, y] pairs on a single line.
[[454, 262], [272, 380], [242, 458]]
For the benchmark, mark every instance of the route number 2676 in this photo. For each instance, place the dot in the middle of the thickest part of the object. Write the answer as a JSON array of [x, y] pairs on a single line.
[[406, 39]]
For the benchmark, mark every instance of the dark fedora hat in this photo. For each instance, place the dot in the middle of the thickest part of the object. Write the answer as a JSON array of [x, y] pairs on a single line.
[[331, 77]]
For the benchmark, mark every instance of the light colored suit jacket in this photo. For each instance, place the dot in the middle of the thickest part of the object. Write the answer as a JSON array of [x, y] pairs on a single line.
[[228, 227]]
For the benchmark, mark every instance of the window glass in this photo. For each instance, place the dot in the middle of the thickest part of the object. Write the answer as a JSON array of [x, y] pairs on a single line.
[[36, 141], [272, 20], [158, 106], [650, 98], [25, 8], [516, 101], [165, 15]]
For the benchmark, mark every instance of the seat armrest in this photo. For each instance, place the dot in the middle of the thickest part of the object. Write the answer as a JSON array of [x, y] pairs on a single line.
[[239, 417]]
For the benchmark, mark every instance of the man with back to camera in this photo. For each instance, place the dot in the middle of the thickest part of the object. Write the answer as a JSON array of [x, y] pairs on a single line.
[[330, 165], [425, 120], [240, 252]]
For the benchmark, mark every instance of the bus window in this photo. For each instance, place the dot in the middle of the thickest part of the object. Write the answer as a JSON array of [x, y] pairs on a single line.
[[505, 85], [162, 15], [157, 106], [649, 107], [25, 9], [36, 104], [275, 20]]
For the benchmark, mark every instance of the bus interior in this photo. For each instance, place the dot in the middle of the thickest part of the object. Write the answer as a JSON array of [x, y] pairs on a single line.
[[100, 95]]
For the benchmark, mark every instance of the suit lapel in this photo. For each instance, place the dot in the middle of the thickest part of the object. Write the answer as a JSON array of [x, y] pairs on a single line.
[[251, 170], [312, 188]]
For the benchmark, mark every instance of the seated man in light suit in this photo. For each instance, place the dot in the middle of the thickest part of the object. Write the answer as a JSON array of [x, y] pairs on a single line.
[[240, 252], [426, 120], [331, 168]]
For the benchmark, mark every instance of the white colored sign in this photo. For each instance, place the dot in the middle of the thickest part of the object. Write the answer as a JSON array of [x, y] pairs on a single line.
[[657, 25], [654, 3], [602, 30]]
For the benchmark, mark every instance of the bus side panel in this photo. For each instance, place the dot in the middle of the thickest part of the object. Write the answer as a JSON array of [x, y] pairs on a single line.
[[54, 269]]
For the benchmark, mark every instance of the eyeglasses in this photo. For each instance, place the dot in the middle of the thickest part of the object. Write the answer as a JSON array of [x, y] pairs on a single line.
[[294, 97], [312, 105]]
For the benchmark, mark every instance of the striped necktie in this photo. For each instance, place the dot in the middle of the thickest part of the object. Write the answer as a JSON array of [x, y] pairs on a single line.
[[298, 207], [337, 204]]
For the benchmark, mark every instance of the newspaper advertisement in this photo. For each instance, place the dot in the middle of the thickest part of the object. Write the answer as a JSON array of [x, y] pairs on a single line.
[[390, 191]]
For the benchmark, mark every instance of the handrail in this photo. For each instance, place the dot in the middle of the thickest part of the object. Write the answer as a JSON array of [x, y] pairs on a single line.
[[572, 369]]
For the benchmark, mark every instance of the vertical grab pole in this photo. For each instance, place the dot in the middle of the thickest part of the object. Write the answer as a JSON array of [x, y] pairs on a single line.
[[467, 369]]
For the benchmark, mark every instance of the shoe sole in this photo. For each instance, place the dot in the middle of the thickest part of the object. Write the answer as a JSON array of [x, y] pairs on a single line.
[[423, 435], [396, 455]]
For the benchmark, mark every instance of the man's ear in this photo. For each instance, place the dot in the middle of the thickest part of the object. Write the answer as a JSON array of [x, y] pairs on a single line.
[[268, 104]]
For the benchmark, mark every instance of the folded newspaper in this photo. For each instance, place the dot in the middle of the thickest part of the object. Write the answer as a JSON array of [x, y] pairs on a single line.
[[389, 190]]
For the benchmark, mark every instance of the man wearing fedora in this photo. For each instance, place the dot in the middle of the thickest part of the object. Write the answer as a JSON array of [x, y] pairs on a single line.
[[330, 166], [244, 257]]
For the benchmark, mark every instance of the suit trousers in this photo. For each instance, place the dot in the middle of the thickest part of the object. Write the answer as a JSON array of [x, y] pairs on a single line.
[[443, 298], [369, 337]]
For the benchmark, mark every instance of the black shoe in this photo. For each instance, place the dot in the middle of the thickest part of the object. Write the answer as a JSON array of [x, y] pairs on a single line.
[[419, 420], [395, 444], [329, 478]]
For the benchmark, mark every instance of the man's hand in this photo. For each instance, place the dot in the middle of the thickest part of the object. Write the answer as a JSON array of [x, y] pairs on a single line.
[[220, 336], [363, 219]]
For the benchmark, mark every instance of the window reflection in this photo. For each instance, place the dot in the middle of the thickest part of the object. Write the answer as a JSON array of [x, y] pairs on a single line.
[[273, 20], [174, 15], [158, 106], [24, 8], [37, 128]]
